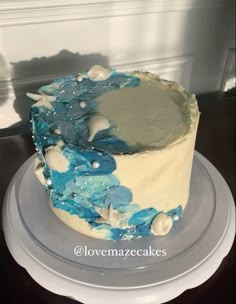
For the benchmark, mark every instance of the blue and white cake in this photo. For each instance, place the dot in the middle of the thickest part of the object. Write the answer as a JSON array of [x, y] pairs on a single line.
[[115, 151]]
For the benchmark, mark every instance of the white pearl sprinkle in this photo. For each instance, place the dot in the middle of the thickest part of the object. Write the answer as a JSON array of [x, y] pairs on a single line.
[[82, 104], [176, 217], [57, 131], [80, 78], [48, 182], [95, 165]]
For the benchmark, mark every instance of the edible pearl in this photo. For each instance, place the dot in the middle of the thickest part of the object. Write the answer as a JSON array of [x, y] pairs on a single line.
[[80, 78], [95, 164], [57, 131], [176, 217], [82, 104], [48, 182]]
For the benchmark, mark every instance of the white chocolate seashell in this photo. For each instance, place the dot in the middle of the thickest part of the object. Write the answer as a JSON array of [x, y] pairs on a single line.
[[98, 73], [56, 160], [161, 224], [38, 169], [97, 123], [112, 217]]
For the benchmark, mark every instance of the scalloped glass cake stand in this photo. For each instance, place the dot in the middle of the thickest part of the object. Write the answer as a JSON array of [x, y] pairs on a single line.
[[194, 248]]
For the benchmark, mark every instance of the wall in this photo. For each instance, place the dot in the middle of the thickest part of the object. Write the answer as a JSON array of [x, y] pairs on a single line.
[[183, 40]]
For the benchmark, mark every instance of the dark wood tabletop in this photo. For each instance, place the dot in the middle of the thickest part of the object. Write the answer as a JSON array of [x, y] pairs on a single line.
[[215, 141]]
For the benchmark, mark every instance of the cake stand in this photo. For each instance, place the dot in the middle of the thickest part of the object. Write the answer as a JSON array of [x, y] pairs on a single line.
[[98, 271]]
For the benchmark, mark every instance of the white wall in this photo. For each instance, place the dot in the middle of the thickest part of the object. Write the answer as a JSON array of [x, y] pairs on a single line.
[[184, 40]]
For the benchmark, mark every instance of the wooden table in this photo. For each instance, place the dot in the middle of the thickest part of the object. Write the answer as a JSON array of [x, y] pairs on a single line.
[[215, 141]]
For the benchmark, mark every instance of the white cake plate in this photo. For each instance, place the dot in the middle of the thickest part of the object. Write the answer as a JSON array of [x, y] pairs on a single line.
[[195, 247]]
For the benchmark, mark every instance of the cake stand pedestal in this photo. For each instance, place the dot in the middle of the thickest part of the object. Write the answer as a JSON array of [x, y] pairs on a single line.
[[70, 264]]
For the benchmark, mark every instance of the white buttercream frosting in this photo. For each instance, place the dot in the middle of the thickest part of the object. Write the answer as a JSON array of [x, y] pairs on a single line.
[[159, 178], [149, 115], [38, 169], [77, 223]]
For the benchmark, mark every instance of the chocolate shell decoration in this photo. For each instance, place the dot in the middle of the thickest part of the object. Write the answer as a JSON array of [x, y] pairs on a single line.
[[97, 123], [56, 160], [98, 73], [161, 224]]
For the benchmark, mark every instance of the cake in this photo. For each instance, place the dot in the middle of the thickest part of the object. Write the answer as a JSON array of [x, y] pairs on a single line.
[[115, 151]]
